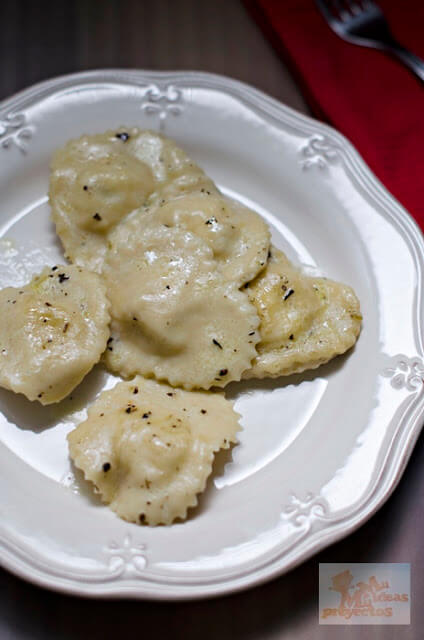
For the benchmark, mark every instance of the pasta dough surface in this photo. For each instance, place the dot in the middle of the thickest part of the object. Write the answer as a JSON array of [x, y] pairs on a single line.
[[238, 237], [94, 183], [305, 321], [52, 332], [173, 315], [174, 171], [149, 448], [98, 179]]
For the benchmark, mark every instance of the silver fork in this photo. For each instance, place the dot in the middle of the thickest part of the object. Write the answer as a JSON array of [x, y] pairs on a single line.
[[363, 23]]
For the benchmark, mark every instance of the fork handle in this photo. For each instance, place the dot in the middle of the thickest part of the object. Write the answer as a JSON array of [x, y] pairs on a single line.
[[410, 60]]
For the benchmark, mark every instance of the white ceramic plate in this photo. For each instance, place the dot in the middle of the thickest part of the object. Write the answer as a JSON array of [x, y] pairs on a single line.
[[319, 452]]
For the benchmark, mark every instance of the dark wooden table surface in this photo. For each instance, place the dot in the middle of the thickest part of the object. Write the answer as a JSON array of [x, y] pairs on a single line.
[[48, 38]]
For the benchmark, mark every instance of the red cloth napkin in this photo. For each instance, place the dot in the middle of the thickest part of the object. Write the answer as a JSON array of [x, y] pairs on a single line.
[[371, 98]]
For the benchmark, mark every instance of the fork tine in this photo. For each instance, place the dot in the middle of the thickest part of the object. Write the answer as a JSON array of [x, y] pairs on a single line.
[[362, 22], [354, 7], [365, 6], [333, 10], [340, 9]]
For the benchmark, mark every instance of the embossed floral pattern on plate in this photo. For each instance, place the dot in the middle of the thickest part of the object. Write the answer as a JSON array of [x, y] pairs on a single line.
[[297, 493], [15, 131], [163, 102], [406, 373]]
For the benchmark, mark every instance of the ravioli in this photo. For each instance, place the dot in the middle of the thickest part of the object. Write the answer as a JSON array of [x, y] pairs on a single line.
[[238, 237], [94, 183], [305, 321], [97, 180], [174, 171], [148, 448], [174, 317], [52, 332]]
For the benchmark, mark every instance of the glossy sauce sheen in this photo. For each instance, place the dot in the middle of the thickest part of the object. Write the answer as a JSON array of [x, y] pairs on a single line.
[[52, 332], [305, 321], [149, 448]]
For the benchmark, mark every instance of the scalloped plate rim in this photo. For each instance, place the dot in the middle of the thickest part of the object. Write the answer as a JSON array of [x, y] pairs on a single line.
[[397, 456]]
